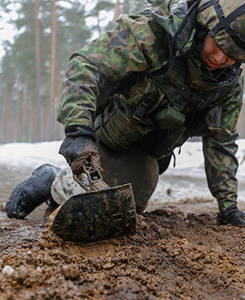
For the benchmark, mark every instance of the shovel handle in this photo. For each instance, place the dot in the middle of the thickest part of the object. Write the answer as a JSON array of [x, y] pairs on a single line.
[[99, 185], [95, 179]]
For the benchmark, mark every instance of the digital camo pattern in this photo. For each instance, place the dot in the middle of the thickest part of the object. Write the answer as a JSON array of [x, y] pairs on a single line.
[[219, 151], [135, 45], [221, 166], [139, 44]]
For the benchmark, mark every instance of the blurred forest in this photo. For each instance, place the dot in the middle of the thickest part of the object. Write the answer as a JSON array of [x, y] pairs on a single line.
[[35, 62]]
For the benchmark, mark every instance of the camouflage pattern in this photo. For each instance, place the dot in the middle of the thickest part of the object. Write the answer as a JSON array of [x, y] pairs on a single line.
[[221, 166], [208, 18], [219, 153], [140, 43], [137, 44]]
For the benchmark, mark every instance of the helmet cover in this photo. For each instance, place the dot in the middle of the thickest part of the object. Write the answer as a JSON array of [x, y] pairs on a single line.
[[224, 21]]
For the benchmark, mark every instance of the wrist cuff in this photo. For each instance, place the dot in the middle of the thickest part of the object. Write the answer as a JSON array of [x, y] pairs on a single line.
[[79, 130]]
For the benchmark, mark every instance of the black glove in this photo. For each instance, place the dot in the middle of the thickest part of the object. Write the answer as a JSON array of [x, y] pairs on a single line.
[[232, 215], [79, 148]]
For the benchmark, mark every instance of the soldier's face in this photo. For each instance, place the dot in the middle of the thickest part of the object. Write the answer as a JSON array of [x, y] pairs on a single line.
[[213, 56]]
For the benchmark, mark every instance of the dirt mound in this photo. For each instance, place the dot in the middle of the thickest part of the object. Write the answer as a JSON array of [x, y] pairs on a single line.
[[172, 256]]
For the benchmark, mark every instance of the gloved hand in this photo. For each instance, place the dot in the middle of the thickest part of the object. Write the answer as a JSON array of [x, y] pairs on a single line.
[[232, 215], [79, 148]]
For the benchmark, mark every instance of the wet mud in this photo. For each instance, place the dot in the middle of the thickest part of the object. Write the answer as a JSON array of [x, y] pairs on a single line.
[[174, 255]]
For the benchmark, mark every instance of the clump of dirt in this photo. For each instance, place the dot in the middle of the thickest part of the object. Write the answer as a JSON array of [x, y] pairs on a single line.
[[172, 256]]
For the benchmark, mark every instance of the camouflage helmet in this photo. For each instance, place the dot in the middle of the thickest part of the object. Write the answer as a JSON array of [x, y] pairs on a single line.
[[224, 21]]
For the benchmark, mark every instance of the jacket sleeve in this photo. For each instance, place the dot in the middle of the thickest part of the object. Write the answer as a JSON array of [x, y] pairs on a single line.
[[220, 150], [133, 46]]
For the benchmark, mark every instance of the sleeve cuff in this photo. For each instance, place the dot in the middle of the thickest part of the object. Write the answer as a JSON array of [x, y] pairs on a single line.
[[79, 130]]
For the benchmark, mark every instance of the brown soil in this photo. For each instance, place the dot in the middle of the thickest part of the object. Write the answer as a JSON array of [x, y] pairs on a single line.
[[173, 256]]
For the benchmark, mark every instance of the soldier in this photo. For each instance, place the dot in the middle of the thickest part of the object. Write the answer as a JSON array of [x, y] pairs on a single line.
[[133, 95]]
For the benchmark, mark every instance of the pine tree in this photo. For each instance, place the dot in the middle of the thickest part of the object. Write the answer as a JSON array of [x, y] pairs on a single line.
[[21, 58], [18, 70]]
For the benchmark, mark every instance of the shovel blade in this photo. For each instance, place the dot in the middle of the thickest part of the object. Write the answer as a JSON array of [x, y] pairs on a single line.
[[98, 215]]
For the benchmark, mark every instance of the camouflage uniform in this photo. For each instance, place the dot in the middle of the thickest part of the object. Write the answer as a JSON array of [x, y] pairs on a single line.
[[139, 48]]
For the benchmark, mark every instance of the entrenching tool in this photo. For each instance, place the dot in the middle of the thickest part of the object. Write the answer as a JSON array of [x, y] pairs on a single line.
[[102, 212]]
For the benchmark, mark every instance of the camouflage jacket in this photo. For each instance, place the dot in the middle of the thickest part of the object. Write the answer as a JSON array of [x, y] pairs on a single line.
[[140, 43]]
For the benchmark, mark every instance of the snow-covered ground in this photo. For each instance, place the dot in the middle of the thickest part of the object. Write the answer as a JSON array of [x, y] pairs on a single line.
[[31, 154], [182, 183], [186, 183]]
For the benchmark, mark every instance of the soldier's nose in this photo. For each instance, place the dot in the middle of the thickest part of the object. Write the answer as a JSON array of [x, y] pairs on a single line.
[[219, 58]]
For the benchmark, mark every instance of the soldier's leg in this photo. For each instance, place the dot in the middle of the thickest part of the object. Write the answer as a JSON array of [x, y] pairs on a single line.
[[32, 192], [232, 215], [48, 183], [133, 166], [164, 164]]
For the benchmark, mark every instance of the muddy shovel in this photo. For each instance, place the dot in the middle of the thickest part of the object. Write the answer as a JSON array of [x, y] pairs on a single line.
[[100, 213]]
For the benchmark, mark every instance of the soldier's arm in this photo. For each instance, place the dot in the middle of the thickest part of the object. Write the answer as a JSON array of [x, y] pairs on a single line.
[[220, 153], [133, 46]]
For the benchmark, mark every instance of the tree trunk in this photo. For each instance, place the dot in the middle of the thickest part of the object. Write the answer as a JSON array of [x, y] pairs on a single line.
[[117, 10], [56, 103], [18, 128], [52, 71], [37, 67], [126, 6], [5, 112], [98, 24], [26, 126], [33, 121]]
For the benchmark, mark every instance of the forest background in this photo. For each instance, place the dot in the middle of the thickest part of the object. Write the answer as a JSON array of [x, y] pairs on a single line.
[[35, 60]]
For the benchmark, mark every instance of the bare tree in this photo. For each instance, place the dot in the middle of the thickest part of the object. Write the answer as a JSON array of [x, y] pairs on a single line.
[[37, 71], [5, 112], [18, 128], [117, 10], [26, 108], [52, 70]]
